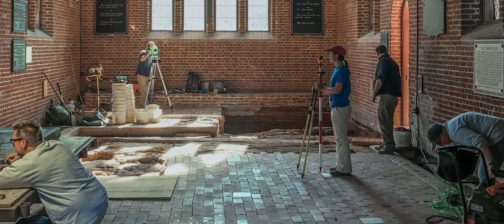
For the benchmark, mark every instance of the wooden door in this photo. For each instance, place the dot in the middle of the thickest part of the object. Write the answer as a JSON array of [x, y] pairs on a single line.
[[405, 37]]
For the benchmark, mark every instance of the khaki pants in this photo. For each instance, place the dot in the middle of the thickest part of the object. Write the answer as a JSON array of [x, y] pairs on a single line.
[[142, 82], [339, 119], [386, 107]]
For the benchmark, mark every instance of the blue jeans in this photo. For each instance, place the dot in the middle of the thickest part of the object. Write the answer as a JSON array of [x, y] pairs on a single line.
[[497, 152]]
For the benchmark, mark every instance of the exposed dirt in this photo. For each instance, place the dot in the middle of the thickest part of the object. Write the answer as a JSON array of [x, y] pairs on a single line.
[[150, 156]]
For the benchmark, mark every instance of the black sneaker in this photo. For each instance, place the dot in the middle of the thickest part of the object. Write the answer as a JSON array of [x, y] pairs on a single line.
[[336, 173]]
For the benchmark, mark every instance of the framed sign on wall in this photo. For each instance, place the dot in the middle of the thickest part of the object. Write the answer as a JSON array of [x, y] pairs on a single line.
[[307, 17], [111, 17], [489, 67], [18, 55], [19, 16]]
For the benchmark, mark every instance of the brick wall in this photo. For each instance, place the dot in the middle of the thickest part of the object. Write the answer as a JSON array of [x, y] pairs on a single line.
[[445, 64], [56, 54], [274, 61]]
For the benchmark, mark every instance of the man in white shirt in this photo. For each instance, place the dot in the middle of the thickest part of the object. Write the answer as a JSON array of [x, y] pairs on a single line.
[[70, 193]]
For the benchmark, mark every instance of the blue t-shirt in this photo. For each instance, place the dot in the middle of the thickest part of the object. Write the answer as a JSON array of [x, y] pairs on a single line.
[[144, 67], [340, 75]]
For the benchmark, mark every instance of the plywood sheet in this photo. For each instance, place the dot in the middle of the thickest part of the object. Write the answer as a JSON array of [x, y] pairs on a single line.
[[152, 187]]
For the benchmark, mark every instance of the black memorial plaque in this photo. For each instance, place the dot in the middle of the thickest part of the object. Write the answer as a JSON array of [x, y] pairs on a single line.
[[19, 16], [307, 17], [18, 55], [111, 16]]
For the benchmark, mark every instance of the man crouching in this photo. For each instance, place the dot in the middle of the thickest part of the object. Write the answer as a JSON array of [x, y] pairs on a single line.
[[70, 193]]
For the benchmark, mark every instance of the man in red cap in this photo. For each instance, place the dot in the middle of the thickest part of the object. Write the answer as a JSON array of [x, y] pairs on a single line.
[[339, 90]]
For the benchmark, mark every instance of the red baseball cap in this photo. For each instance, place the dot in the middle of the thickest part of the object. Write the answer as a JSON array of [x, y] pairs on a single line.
[[338, 49]]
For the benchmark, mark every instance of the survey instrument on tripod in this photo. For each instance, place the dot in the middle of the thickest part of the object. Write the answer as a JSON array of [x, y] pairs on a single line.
[[155, 68], [303, 150]]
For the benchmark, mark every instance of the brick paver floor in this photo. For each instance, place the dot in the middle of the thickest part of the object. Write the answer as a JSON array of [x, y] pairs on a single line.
[[266, 188]]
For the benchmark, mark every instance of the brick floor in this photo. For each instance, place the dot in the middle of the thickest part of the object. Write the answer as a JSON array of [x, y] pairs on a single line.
[[266, 188]]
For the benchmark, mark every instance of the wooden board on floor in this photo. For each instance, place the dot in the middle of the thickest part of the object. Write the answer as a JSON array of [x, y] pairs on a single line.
[[149, 130], [15, 203], [9, 197], [151, 187]]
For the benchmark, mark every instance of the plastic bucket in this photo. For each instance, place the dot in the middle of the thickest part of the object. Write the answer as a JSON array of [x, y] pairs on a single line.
[[142, 116], [402, 137]]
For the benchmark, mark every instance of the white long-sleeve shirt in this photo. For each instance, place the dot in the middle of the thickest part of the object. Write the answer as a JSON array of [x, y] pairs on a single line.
[[68, 191]]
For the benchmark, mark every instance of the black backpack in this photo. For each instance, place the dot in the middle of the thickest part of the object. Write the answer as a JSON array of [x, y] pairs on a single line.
[[193, 83]]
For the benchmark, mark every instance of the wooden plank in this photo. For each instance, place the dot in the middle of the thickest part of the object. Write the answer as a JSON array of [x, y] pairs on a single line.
[[146, 131], [152, 187], [20, 208], [11, 196]]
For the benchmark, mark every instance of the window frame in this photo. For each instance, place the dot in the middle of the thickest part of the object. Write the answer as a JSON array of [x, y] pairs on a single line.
[[484, 17], [371, 16]]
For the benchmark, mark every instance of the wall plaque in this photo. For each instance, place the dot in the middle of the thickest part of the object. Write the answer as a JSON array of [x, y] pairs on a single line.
[[19, 16], [307, 17], [110, 16], [489, 67], [18, 55], [434, 17]]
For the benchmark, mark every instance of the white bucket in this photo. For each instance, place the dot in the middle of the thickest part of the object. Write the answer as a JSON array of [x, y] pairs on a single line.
[[119, 117], [152, 107], [402, 138], [142, 116], [155, 115]]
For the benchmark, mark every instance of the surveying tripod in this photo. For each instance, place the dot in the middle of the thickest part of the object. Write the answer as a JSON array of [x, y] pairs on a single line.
[[150, 83], [316, 91]]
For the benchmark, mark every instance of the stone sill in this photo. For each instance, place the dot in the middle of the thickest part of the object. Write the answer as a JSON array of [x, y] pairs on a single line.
[[485, 31], [193, 35]]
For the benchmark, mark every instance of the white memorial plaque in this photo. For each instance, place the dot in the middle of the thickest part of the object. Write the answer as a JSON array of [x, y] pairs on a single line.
[[489, 67]]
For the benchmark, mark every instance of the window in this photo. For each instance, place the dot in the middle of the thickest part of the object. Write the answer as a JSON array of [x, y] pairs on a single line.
[[258, 15], [489, 10], [162, 15], [371, 15], [38, 15], [194, 15], [210, 15], [225, 15]]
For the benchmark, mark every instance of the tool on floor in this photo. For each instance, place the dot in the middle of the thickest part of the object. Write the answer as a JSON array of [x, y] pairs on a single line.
[[60, 97], [484, 206], [77, 88], [96, 73], [309, 121], [155, 68], [62, 100]]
